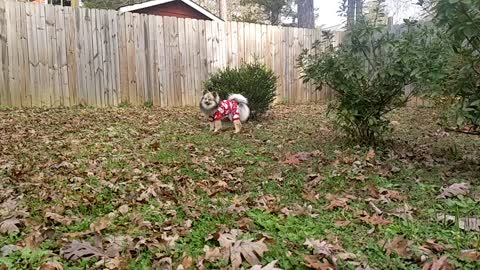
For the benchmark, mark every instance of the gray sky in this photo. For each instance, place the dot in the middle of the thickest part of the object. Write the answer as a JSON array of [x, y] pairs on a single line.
[[328, 16], [327, 10]]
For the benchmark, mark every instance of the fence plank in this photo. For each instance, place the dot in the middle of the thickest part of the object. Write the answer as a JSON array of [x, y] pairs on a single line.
[[182, 61], [70, 36], [140, 58], [122, 58], [4, 82], [161, 64], [152, 60], [202, 34], [189, 66], [62, 56], [106, 71], [13, 54], [131, 65], [32, 54], [25, 64]]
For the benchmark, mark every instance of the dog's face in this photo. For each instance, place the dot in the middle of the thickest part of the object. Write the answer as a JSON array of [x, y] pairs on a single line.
[[210, 100]]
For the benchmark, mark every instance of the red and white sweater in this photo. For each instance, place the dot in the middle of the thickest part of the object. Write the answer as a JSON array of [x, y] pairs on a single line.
[[225, 109]]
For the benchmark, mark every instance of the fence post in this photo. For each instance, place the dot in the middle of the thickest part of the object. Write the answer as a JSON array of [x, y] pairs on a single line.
[[4, 84]]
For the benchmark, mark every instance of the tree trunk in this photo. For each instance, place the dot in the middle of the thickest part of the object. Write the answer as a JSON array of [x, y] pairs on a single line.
[[306, 14], [222, 7], [350, 14], [359, 10]]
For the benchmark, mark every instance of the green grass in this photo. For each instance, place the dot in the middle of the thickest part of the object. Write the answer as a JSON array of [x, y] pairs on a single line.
[[167, 167]]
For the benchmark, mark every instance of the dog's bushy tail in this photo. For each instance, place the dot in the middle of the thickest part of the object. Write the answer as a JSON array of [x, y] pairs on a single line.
[[243, 108]]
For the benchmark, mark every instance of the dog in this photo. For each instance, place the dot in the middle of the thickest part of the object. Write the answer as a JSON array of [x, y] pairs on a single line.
[[235, 108]]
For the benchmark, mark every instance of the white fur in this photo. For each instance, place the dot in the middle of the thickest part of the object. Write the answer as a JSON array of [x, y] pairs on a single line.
[[243, 108]]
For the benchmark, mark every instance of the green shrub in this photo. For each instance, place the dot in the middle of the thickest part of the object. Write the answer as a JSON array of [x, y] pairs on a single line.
[[368, 72], [458, 79], [254, 81]]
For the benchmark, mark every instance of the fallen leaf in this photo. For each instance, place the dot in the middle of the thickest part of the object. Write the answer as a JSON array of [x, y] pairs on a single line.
[[438, 264], [370, 156], [400, 246], [297, 158], [470, 255], [79, 250], [212, 254], [346, 256], [58, 218], [123, 209], [392, 194], [116, 244], [52, 266], [236, 250], [245, 223], [403, 212], [342, 223], [8, 249], [270, 266], [321, 247], [432, 246], [337, 202], [101, 224], [10, 226], [187, 262], [375, 220], [163, 264], [454, 190], [318, 263]]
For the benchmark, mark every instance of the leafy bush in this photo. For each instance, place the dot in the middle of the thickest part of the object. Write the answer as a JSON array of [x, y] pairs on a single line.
[[368, 74], [458, 24], [255, 81]]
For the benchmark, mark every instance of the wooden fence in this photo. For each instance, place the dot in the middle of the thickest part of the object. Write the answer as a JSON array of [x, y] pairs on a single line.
[[58, 56]]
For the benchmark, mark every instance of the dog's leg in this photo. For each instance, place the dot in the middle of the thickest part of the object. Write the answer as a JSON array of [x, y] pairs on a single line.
[[238, 125], [212, 126], [218, 126]]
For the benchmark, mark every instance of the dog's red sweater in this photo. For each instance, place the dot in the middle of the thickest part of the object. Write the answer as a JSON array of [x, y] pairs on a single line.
[[226, 108]]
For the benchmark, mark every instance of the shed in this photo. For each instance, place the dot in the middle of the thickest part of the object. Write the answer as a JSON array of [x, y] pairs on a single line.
[[172, 8]]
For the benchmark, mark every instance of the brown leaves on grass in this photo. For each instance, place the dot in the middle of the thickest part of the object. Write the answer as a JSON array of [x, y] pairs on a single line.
[[53, 265], [470, 255], [324, 254], [438, 264], [10, 226], [235, 250], [318, 263], [454, 190], [77, 250], [338, 202], [375, 220], [297, 158], [270, 266], [58, 218], [400, 246], [404, 212], [432, 246], [321, 247]]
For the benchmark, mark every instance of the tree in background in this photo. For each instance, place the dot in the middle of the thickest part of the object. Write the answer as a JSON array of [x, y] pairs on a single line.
[[306, 14], [275, 12], [353, 10]]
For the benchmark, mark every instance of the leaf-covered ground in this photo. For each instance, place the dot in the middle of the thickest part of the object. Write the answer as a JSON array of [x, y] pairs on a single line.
[[134, 188]]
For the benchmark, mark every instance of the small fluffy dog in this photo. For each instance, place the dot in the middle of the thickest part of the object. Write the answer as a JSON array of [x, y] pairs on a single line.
[[234, 108]]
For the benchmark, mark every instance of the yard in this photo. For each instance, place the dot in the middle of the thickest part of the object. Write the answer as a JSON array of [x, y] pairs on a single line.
[[153, 189]]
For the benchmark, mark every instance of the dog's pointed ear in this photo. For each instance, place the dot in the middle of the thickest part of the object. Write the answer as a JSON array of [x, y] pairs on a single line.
[[205, 91], [215, 94]]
